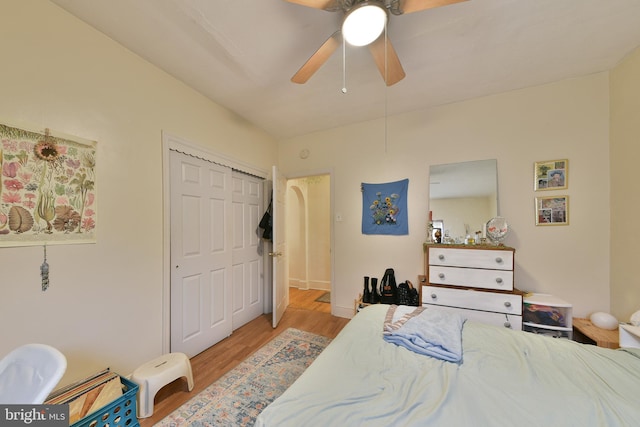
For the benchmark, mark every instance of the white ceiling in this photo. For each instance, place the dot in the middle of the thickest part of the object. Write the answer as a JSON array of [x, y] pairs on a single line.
[[242, 53]]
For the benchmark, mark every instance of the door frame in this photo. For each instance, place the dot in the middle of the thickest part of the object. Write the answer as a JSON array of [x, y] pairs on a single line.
[[171, 142], [330, 172]]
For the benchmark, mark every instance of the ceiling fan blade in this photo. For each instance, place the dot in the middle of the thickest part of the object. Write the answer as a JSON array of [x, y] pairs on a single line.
[[317, 4], [317, 59], [393, 69], [409, 6]]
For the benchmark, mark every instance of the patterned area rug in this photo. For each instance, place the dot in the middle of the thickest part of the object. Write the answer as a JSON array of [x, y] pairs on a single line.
[[241, 394]]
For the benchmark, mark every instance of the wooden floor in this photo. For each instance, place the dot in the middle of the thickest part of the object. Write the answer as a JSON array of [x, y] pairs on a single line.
[[303, 313], [307, 299]]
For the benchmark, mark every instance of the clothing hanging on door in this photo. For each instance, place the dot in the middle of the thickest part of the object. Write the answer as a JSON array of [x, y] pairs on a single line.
[[266, 224]]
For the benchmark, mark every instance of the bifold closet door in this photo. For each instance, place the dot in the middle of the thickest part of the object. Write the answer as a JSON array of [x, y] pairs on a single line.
[[248, 274], [201, 253]]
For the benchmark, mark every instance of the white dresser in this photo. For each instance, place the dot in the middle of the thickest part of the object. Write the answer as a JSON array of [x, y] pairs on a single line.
[[476, 281]]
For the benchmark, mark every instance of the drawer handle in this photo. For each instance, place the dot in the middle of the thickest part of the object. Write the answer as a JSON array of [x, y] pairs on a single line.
[[441, 275], [441, 257], [499, 280], [507, 324], [507, 304], [434, 296], [499, 260]]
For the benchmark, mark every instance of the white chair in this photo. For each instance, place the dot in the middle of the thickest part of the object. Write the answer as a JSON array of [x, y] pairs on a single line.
[[29, 373]]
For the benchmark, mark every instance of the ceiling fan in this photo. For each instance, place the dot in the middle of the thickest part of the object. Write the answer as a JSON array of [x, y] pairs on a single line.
[[364, 12]]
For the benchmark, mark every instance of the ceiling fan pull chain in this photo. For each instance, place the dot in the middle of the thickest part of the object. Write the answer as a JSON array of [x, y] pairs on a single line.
[[344, 66], [386, 87]]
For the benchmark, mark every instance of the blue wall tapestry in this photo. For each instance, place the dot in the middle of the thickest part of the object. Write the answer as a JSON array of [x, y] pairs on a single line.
[[384, 208]]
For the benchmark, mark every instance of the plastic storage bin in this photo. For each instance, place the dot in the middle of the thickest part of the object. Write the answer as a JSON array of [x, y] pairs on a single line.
[[548, 315], [549, 332], [119, 413]]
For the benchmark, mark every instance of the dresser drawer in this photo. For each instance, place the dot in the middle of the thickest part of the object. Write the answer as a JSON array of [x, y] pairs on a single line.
[[472, 277], [475, 300], [510, 321], [473, 258]]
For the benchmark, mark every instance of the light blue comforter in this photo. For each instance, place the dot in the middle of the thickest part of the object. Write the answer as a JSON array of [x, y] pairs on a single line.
[[433, 332], [508, 378]]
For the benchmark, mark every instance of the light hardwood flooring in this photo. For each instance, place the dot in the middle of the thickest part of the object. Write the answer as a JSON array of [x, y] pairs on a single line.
[[303, 313], [306, 299]]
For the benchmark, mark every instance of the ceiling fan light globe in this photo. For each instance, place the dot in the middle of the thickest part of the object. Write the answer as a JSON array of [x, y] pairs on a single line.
[[364, 24]]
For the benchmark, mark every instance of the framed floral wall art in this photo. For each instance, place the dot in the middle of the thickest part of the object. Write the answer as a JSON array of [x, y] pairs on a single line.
[[47, 188]]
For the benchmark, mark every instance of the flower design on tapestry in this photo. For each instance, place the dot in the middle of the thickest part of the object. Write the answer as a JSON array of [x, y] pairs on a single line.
[[385, 211]]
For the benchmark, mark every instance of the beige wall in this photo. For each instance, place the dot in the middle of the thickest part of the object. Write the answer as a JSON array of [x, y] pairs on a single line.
[[104, 304], [296, 233], [625, 197], [568, 119], [320, 232]]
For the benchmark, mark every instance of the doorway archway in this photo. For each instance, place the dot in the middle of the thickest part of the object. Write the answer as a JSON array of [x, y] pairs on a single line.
[[308, 232]]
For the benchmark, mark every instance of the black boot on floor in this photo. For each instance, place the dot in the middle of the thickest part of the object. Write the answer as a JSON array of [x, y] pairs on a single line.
[[366, 294], [375, 296]]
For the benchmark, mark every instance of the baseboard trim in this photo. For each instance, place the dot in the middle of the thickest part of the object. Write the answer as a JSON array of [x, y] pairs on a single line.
[[346, 312]]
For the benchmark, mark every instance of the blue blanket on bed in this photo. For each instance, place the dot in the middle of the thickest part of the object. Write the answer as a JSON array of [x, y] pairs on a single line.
[[433, 332]]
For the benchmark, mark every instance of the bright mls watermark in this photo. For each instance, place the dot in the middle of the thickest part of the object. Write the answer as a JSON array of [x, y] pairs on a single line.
[[34, 415]]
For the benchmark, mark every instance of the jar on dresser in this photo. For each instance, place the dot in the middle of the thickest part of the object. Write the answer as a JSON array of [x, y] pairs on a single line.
[[476, 281]]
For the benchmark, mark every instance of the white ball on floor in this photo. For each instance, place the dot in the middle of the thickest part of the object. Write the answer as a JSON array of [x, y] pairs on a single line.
[[604, 320]]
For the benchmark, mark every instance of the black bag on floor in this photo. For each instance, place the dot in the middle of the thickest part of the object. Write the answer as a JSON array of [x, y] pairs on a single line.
[[414, 296], [403, 294], [407, 294], [388, 288]]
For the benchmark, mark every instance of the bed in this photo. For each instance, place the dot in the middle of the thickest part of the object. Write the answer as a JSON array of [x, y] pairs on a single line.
[[505, 378]]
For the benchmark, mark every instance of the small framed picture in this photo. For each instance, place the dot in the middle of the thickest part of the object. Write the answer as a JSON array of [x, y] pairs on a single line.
[[438, 228], [551, 175], [552, 210]]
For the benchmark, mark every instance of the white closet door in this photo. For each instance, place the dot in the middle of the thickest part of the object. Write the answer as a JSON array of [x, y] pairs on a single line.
[[201, 253], [248, 277]]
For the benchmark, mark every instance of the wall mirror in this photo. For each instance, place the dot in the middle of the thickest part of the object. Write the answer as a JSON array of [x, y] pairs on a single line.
[[463, 197]]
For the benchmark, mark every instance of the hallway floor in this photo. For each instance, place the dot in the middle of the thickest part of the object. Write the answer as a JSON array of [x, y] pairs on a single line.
[[306, 299]]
